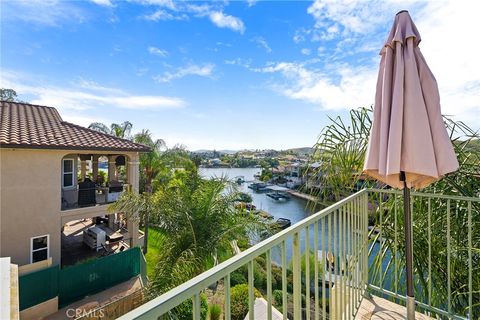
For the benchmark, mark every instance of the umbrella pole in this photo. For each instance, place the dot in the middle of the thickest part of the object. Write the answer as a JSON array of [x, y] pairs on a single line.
[[408, 247]]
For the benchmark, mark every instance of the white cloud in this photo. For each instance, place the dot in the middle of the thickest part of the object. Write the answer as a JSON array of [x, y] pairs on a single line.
[[452, 55], [200, 10], [262, 43], [182, 10], [205, 70], [251, 3], [105, 3], [222, 20], [306, 51], [162, 3], [42, 12], [346, 77], [353, 16], [84, 95], [164, 15], [157, 51], [317, 87], [246, 63]]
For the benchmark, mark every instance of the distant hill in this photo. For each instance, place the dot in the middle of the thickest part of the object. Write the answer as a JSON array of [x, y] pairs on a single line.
[[219, 151], [304, 150], [298, 151]]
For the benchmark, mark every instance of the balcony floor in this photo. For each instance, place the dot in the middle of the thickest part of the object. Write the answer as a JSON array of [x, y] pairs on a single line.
[[376, 308]]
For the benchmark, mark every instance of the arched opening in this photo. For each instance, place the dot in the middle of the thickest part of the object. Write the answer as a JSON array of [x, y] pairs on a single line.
[[92, 179]]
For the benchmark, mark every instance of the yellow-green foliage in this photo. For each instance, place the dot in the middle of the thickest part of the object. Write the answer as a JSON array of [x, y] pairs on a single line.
[[239, 301]]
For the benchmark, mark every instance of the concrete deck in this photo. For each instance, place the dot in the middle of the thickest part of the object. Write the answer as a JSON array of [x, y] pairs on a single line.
[[72, 247], [376, 308]]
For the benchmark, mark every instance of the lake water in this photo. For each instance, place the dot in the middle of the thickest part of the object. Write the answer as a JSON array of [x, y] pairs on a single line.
[[294, 209]]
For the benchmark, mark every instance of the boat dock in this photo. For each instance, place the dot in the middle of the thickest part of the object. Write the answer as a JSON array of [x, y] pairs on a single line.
[[291, 192], [302, 195]]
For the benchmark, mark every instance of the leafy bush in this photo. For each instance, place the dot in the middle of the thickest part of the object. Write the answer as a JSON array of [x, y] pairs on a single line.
[[185, 310], [277, 298], [276, 277], [237, 278], [311, 266], [239, 301], [215, 311], [259, 277]]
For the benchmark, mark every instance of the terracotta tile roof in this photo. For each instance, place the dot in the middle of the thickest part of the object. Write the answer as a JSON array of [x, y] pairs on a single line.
[[31, 126]]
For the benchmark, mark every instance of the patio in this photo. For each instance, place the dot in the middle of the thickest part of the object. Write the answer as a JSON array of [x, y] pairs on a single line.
[[74, 250]]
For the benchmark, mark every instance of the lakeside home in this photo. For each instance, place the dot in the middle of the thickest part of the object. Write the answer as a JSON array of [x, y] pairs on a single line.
[[52, 207]]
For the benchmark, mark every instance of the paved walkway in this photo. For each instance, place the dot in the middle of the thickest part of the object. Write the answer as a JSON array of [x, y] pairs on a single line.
[[260, 311], [376, 308], [100, 299]]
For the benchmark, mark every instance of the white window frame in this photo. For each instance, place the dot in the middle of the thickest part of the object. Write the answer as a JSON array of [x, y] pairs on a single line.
[[31, 246], [72, 172]]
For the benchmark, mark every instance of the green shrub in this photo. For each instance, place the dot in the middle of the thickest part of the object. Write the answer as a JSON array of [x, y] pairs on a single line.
[[237, 277], [276, 277], [185, 310], [261, 262], [277, 298], [239, 301], [259, 277], [311, 268], [215, 311]]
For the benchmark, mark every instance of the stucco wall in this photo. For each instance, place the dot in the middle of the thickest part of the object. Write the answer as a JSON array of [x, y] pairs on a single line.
[[29, 201]]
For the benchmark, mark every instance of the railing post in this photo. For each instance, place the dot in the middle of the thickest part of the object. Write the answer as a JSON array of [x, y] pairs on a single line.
[[315, 260], [324, 264], [269, 284], [226, 284], [284, 280], [470, 287], [365, 240], [297, 282], [251, 292], [196, 306], [307, 272]]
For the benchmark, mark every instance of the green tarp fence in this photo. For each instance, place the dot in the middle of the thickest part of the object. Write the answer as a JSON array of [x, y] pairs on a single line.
[[74, 283], [84, 279], [38, 286]]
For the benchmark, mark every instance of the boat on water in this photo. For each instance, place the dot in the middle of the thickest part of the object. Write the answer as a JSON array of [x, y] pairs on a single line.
[[283, 223], [278, 195], [246, 206], [239, 179], [264, 214], [258, 186]]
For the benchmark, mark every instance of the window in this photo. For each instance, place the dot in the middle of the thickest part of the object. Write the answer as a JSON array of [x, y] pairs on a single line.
[[67, 173], [39, 248]]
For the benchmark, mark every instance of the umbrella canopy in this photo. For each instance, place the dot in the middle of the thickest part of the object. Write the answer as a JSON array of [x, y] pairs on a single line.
[[408, 134]]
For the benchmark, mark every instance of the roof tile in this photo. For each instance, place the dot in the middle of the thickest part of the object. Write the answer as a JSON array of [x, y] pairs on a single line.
[[24, 125]]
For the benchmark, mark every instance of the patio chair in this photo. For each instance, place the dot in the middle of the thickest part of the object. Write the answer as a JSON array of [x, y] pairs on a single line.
[[106, 250]]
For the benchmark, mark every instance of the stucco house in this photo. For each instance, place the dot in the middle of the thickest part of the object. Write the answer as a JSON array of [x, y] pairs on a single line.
[[52, 173]]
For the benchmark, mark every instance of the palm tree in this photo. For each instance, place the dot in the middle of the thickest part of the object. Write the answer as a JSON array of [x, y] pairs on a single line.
[[121, 130], [150, 163], [198, 224], [150, 166]]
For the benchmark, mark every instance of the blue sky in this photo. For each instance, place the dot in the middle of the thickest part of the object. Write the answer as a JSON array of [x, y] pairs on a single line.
[[225, 75]]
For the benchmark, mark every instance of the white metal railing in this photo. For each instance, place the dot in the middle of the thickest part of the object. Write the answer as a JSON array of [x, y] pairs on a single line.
[[338, 232], [445, 247], [446, 260]]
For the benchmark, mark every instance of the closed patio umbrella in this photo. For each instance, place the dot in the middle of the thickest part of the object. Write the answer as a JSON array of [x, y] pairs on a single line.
[[409, 146]]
